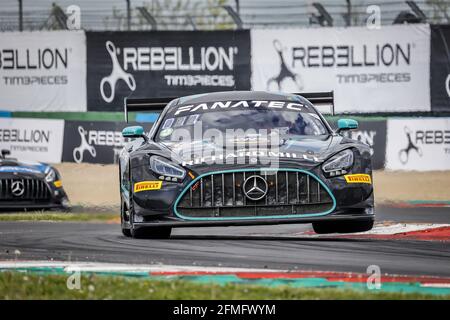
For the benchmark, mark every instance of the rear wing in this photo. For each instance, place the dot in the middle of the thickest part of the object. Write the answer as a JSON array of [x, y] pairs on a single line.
[[145, 104], [158, 104], [320, 98]]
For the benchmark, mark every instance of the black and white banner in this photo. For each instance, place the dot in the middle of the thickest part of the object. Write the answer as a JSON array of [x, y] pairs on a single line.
[[440, 68], [156, 64], [32, 139], [43, 71], [372, 133], [381, 70], [421, 144], [94, 141]]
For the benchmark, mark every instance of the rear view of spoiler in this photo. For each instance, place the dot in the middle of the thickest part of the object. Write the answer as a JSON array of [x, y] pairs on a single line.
[[320, 98], [145, 104], [158, 104]]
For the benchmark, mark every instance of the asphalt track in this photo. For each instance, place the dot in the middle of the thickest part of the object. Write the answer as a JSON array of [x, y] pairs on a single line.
[[272, 247]]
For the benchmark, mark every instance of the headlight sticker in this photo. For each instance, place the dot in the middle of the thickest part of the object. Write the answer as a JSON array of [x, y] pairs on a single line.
[[147, 185], [358, 178], [58, 183]]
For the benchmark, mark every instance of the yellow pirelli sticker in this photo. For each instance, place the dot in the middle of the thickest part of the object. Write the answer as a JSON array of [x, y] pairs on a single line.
[[58, 183], [147, 185], [358, 178]]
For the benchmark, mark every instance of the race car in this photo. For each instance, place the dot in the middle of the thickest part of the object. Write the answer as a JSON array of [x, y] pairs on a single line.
[[243, 158], [29, 185]]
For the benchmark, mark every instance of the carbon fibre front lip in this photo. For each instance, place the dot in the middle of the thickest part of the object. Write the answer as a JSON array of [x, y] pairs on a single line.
[[248, 222]]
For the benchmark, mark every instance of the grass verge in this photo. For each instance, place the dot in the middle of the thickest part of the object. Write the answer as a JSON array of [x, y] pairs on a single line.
[[16, 285]]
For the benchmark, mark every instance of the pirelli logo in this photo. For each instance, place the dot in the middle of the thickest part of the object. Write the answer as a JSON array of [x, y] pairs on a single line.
[[358, 178], [147, 185]]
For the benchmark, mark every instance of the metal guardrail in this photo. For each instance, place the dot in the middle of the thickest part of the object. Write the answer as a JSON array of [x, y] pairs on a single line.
[[234, 14]]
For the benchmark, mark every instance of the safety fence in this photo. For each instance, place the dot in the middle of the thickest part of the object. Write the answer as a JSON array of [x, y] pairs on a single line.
[[393, 69]]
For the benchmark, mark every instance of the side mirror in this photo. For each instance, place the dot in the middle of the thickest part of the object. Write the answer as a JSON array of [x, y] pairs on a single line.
[[134, 132], [347, 124], [5, 153]]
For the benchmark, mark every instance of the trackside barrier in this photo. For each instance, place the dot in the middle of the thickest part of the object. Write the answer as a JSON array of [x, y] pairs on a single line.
[[421, 144]]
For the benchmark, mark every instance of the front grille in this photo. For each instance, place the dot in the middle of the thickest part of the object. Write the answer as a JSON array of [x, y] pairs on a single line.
[[33, 190], [221, 195]]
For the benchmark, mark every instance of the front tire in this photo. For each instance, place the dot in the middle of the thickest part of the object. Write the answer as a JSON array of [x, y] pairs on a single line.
[[327, 227], [123, 219], [147, 232]]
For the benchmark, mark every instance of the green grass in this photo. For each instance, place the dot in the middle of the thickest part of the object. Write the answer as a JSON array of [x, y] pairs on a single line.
[[57, 216], [15, 285]]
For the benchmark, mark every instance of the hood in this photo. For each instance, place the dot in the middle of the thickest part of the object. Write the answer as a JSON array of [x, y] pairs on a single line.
[[24, 167], [302, 151]]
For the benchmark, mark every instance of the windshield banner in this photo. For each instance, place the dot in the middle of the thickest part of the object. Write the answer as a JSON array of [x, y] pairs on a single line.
[[219, 106], [157, 64], [382, 70]]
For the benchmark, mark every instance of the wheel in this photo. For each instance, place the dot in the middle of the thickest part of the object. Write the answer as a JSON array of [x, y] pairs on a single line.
[[342, 226], [123, 219], [126, 232], [147, 232]]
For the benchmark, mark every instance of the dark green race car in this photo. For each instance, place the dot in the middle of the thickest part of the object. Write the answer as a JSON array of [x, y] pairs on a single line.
[[243, 158]]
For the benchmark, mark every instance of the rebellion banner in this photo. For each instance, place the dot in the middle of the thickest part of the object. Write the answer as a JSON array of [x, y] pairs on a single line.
[[421, 144], [157, 64], [32, 139], [94, 141], [43, 71], [440, 68], [383, 70]]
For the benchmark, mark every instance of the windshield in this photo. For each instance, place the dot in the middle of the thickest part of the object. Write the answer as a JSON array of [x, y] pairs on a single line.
[[305, 122]]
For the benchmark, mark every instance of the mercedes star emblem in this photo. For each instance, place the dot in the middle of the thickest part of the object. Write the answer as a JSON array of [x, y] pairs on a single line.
[[17, 188], [255, 187]]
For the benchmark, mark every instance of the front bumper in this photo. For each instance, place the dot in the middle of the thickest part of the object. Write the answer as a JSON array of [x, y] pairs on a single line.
[[46, 196], [158, 207]]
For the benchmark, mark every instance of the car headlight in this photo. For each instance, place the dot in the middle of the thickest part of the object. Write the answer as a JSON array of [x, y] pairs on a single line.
[[50, 175], [163, 167], [339, 163]]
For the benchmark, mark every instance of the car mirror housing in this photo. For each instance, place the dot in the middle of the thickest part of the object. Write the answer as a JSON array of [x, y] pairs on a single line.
[[5, 153], [347, 124], [134, 132]]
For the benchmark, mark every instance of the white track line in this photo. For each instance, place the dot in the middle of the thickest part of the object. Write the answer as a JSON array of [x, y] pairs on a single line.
[[385, 228], [396, 228], [117, 267]]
